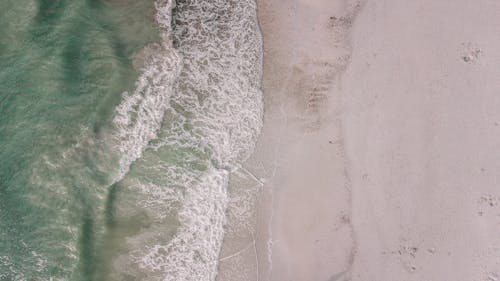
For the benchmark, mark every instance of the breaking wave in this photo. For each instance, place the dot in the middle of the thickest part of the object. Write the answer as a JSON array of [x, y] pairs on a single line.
[[194, 116]]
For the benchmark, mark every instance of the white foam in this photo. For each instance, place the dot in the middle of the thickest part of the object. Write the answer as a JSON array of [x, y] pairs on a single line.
[[140, 114], [208, 91], [192, 254]]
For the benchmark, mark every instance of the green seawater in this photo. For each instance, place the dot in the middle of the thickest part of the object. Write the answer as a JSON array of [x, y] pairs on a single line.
[[63, 67]]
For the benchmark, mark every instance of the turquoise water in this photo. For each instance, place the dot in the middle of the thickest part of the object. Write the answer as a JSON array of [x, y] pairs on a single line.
[[119, 125], [63, 67]]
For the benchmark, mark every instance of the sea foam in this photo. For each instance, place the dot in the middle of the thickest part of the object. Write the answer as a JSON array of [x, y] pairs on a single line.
[[198, 100]]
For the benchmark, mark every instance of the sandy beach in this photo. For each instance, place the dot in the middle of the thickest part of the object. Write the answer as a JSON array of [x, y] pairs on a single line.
[[379, 154]]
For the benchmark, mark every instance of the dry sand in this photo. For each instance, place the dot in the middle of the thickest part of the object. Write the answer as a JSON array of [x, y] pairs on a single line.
[[421, 100], [380, 153]]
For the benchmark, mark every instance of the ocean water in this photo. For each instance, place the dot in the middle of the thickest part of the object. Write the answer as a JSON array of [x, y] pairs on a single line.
[[120, 123]]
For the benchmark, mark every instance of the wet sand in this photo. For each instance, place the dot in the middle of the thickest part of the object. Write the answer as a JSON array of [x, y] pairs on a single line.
[[305, 227]]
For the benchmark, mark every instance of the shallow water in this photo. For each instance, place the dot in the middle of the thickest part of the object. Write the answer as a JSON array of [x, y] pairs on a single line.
[[120, 122]]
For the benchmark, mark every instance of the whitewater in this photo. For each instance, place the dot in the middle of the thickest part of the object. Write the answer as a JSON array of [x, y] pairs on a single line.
[[143, 196], [198, 98]]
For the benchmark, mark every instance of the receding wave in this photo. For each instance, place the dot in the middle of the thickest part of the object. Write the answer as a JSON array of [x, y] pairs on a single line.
[[195, 115]]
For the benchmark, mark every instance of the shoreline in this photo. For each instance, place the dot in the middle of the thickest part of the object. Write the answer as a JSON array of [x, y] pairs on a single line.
[[358, 173], [304, 229]]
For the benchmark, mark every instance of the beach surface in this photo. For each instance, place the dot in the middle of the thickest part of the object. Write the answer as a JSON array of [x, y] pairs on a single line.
[[379, 153]]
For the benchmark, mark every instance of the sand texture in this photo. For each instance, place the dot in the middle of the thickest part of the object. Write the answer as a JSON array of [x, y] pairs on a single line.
[[379, 155]]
